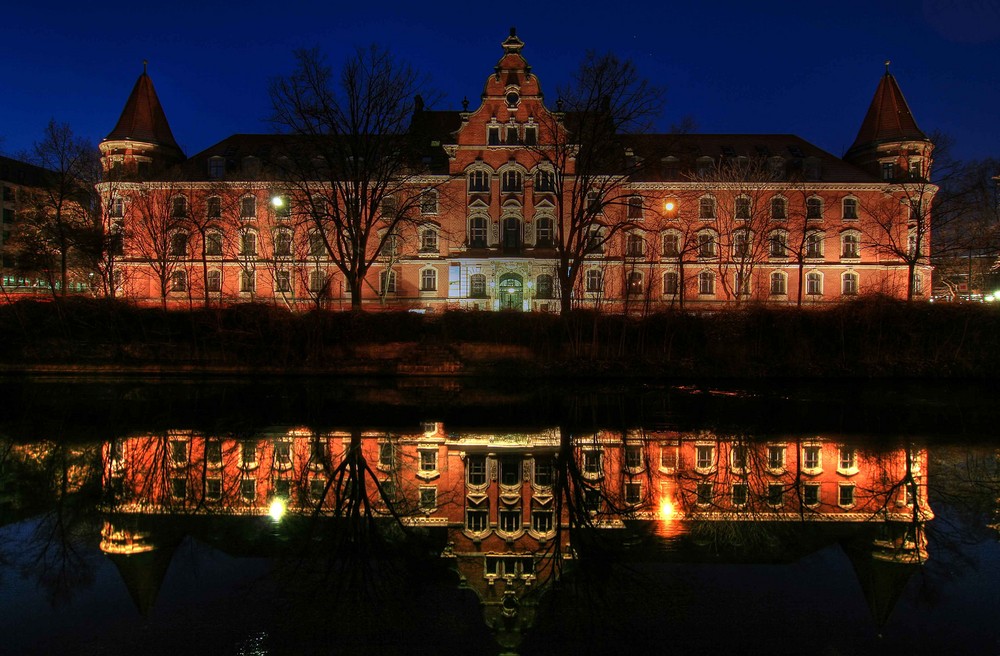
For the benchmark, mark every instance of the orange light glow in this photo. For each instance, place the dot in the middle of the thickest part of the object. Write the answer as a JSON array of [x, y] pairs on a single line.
[[669, 206], [666, 509]]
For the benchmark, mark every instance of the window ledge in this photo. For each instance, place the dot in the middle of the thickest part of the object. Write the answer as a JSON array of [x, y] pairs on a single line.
[[428, 475]]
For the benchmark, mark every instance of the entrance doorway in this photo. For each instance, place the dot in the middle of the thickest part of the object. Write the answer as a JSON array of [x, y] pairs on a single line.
[[511, 292]]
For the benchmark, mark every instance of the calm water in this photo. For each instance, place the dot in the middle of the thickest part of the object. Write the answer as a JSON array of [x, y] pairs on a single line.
[[439, 516]]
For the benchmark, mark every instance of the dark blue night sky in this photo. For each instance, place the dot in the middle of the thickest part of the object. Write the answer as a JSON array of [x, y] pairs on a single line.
[[808, 68]]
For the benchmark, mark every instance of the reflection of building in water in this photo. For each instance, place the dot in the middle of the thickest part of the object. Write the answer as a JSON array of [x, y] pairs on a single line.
[[516, 506]]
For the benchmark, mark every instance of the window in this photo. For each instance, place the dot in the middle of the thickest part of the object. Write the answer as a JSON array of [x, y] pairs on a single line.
[[248, 207], [389, 207], [671, 244], [739, 458], [634, 207], [429, 202], [178, 452], [633, 285], [530, 135], [179, 207], [117, 206], [633, 457], [390, 246], [779, 209], [704, 166], [595, 281], [810, 494], [248, 453], [541, 521], [849, 284], [214, 207], [428, 498], [704, 494], [178, 488], [428, 460], [671, 283], [845, 497], [706, 244], [814, 283], [510, 471], [545, 181], [283, 281], [493, 135], [668, 457], [282, 243], [592, 462], [918, 283], [213, 243], [776, 458], [248, 282], [282, 206], [543, 472], [479, 181], [248, 244], [476, 519], [477, 285], [741, 244], [706, 208], [475, 470], [595, 240], [888, 171], [706, 282], [850, 209], [213, 453], [592, 500], [544, 286], [777, 245], [511, 181], [849, 244], [216, 167], [282, 454], [739, 494], [848, 461], [386, 455], [317, 489], [213, 489], [775, 494], [213, 283], [317, 281], [633, 492], [594, 203], [811, 458], [704, 457], [814, 244], [511, 136], [178, 281], [742, 212], [510, 520], [477, 232], [635, 245], [428, 280], [179, 244], [387, 282], [779, 284], [316, 246], [543, 231], [428, 240], [814, 208]]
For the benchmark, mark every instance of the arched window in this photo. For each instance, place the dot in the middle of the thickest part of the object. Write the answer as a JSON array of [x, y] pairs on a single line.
[[477, 232], [248, 281], [671, 283], [849, 284], [545, 181], [741, 244], [248, 207], [179, 207], [316, 246], [213, 243], [635, 245], [479, 181], [543, 286], [779, 283], [213, 207], [429, 202], [814, 283], [671, 244], [850, 209], [477, 285], [814, 208], [428, 280], [248, 244], [742, 209], [849, 245], [634, 207], [706, 244], [117, 207], [511, 181], [706, 282], [213, 283], [777, 244], [814, 244], [283, 281], [179, 244], [387, 282], [178, 281], [282, 243], [317, 280]]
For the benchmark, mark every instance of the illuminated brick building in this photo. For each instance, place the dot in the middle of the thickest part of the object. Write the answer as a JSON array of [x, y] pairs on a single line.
[[703, 219]]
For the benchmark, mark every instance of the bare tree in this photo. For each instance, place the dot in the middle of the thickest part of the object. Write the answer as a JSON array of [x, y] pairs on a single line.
[[590, 165], [354, 170], [158, 234]]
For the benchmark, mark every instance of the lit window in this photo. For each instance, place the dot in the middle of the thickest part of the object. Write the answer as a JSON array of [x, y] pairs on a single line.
[[178, 281], [477, 285]]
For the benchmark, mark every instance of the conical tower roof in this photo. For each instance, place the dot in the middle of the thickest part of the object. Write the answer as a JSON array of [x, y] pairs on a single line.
[[143, 118], [888, 118]]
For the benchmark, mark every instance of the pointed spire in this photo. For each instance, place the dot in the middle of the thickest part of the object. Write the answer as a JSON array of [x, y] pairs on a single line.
[[888, 118], [143, 118]]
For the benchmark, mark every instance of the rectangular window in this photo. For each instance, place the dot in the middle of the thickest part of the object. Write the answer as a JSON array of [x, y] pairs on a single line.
[[775, 494], [512, 135], [214, 281], [214, 207], [248, 207], [213, 489], [317, 489], [178, 488], [213, 244], [428, 460], [739, 457], [510, 521], [592, 462], [633, 492], [592, 500], [775, 457], [530, 135], [850, 209], [543, 472], [428, 498], [848, 459], [846, 495], [510, 471], [704, 456], [283, 281], [541, 521], [428, 280], [633, 457], [283, 454], [248, 282], [739, 494], [671, 283], [704, 493], [213, 452], [476, 520], [668, 457], [810, 457], [248, 453], [178, 452], [475, 470], [810, 494], [493, 135], [635, 207], [386, 455], [248, 489]]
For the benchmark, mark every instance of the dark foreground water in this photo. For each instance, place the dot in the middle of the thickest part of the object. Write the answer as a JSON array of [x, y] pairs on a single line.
[[440, 517]]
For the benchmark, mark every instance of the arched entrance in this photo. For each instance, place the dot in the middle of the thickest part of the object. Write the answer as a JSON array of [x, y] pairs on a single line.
[[511, 292]]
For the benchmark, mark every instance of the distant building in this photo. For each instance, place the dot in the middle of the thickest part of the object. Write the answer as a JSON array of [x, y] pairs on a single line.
[[703, 219]]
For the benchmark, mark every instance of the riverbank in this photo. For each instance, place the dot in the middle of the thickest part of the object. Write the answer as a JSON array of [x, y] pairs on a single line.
[[869, 338]]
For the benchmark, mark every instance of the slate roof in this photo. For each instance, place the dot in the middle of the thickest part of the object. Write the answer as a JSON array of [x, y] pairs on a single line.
[[888, 118], [143, 118]]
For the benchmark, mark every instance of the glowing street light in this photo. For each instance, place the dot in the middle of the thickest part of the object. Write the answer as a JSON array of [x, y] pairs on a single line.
[[277, 510]]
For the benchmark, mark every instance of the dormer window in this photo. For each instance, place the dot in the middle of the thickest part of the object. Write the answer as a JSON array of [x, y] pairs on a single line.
[[888, 170], [216, 167]]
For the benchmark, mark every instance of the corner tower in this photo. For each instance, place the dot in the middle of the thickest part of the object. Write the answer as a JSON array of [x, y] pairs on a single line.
[[889, 144], [141, 140]]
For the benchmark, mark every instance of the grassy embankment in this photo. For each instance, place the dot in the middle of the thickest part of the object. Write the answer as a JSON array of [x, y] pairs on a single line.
[[870, 338]]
